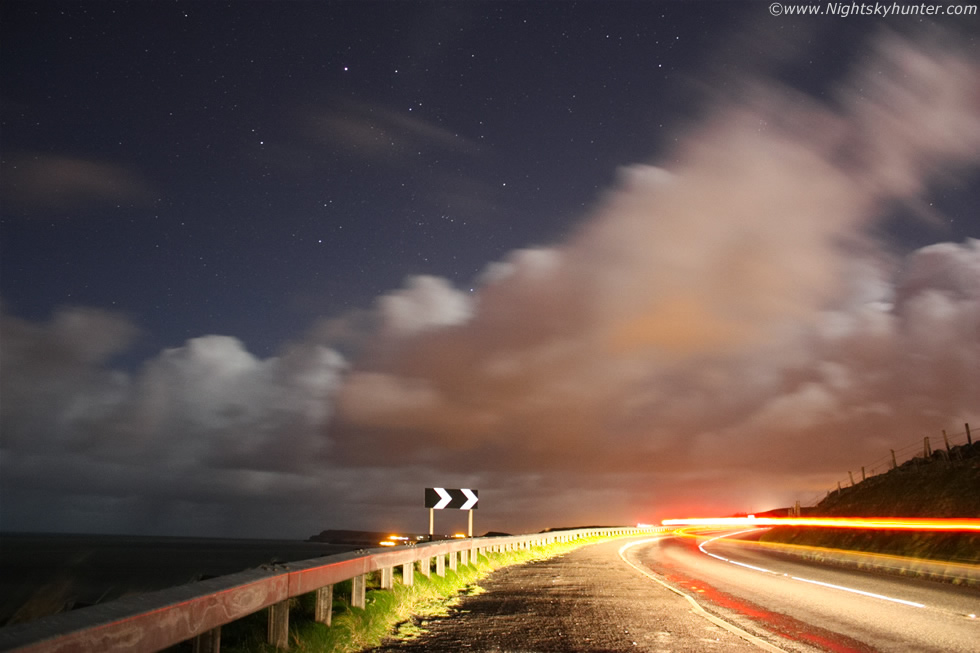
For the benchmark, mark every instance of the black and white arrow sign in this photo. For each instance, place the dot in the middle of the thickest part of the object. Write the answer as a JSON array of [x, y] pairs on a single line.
[[440, 497]]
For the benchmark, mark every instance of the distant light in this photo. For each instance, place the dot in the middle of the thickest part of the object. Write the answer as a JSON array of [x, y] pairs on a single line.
[[877, 523], [459, 535], [387, 543]]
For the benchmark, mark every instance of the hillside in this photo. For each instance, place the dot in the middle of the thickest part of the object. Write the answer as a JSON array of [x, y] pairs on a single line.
[[946, 484]]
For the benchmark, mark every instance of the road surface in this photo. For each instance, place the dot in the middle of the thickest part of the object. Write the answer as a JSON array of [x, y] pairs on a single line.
[[667, 594], [799, 606]]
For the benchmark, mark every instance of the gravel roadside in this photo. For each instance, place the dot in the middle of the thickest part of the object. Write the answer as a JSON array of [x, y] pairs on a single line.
[[586, 600]]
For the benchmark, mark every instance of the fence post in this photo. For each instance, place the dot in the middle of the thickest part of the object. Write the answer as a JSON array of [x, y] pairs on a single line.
[[358, 597], [323, 609], [852, 477], [207, 642], [863, 477], [926, 449], [894, 462], [278, 633], [969, 440], [387, 578], [946, 440]]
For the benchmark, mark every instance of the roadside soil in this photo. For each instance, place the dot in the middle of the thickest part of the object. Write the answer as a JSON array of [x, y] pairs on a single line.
[[586, 600]]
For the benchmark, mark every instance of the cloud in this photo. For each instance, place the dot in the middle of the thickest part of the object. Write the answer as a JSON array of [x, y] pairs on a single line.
[[915, 113], [699, 320], [378, 133], [721, 334], [202, 428], [427, 303], [45, 182]]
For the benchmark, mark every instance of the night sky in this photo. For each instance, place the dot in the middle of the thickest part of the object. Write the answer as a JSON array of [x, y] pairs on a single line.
[[273, 267]]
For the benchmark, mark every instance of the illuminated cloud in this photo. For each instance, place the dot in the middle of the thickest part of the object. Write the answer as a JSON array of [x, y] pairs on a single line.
[[427, 303], [45, 182], [378, 133], [185, 443], [728, 312], [720, 334]]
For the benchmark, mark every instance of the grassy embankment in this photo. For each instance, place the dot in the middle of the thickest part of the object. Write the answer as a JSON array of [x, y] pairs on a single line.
[[946, 484], [400, 612]]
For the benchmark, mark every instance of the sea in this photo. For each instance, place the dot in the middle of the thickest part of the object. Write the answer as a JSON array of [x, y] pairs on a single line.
[[42, 574]]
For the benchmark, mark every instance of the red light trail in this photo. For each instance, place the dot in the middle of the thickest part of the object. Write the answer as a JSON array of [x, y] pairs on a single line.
[[871, 523]]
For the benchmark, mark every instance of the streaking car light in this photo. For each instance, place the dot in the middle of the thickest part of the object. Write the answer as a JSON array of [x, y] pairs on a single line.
[[876, 523]]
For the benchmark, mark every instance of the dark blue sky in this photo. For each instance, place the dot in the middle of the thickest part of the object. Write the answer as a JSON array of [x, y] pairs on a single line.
[[238, 210], [245, 168]]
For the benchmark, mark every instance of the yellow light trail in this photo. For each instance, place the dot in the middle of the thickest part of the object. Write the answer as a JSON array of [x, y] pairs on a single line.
[[875, 523]]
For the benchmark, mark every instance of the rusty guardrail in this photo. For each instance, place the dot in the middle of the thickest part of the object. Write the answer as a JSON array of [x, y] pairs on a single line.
[[197, 611]]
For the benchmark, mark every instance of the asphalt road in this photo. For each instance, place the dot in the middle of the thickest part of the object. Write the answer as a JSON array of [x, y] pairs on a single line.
[[586, 600], [665, 593], [796, 606]]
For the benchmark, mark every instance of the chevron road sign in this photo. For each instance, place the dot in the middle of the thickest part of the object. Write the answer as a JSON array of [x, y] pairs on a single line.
[[438, 498]]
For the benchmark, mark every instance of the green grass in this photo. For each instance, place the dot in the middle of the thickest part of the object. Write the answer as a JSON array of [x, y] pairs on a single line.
[[942, 485], [401, 612], [941, 547]]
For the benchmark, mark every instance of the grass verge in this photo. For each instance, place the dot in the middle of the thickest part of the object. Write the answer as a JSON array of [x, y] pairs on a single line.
[[400, 612], [961, 548]]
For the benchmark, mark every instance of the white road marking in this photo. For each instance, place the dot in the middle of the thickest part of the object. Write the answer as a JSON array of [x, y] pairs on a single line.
[[863, 593], [749, 637], [802, 580]]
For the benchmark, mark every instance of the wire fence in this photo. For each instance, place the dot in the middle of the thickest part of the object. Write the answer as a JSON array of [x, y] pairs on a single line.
[[924, 449]]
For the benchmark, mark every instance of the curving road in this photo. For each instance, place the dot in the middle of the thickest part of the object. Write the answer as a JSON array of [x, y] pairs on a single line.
[[781, 603]]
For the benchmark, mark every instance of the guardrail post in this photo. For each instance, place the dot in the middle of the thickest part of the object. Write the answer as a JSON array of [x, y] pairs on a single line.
[[408, 574], [323, 609], [278, 632], [452, 560], [425, 566], [464, 557], [441, 565], [207, 642], [358, 597], [387, 578]]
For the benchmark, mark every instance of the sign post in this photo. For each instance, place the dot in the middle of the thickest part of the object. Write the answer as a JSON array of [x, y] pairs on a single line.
[[438, 498]]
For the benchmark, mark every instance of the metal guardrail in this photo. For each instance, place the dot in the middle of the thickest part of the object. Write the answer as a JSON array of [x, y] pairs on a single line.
[[157, 620]]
